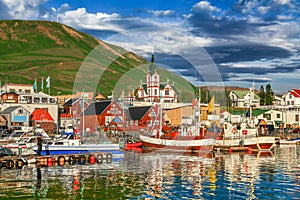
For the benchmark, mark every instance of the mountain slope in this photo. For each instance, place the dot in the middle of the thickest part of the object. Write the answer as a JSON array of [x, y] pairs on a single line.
[[75, 61], [36, 49]]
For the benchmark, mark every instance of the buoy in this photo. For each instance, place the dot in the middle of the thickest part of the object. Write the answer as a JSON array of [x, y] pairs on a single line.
[[100, 158], [9, 164], [92, 159], [108, 158], [82, 159], [249, 150], [61, 160], [50, 161], [19, 163], [72, 160]]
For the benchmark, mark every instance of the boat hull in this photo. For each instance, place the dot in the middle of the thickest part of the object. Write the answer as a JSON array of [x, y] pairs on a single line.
[[177, 144], [255, 143]]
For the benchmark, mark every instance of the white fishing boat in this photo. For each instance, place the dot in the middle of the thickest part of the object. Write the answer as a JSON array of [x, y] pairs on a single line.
[[245, 133]]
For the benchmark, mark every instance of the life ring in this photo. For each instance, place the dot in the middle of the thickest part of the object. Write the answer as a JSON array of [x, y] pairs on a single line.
[[190, 133], [108, 158], [20, 163], [100, 158], [72, 160], [81, 159], [92, 159], [10, 164], [234, 130]]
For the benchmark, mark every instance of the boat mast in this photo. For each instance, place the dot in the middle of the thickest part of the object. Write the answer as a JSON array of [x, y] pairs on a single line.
[[82, 107]]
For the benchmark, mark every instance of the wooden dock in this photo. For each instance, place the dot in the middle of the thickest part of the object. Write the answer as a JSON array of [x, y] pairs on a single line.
[[10, 162]]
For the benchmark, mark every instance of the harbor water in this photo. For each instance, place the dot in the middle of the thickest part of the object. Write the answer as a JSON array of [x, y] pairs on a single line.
[[156, 175]]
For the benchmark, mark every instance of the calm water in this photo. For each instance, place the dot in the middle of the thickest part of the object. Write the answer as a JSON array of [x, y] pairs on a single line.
[[163, 176]]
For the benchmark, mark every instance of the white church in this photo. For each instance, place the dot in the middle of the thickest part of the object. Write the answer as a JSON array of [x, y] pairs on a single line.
[[154, 90]]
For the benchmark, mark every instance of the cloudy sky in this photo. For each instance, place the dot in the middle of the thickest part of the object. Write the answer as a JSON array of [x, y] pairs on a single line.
[[247, 40]]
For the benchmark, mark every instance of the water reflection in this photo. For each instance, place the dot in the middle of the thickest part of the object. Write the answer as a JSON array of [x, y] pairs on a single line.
[[155, 175]]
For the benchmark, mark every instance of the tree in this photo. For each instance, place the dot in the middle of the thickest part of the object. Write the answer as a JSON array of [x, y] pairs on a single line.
[[269, 95], [262, 95]]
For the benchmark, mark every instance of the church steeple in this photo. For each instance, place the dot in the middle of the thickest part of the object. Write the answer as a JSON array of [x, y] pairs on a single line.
[[152, 66]]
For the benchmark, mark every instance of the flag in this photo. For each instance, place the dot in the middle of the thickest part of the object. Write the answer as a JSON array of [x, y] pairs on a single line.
[[48, 82], [42, 84], [82, 100], [34, 85], [211, 104]]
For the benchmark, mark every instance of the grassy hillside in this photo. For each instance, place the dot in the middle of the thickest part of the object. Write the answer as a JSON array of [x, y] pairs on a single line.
[[36, 49]]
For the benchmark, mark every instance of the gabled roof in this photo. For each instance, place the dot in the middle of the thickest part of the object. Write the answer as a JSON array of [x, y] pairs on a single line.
[[295, 92], [137, 113], [241, 93], [97, 108], [41, 114], [10, 109], [70, 102], [255, 112]]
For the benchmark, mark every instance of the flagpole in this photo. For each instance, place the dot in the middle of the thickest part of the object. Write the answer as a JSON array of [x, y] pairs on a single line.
[[82, 105]]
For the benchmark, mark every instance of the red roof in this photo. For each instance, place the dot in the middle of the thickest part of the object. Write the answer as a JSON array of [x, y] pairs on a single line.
[[41, 115]]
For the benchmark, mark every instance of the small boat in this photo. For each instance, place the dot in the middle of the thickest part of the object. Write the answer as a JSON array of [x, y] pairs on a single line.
[[289, 141], [133, 145], [23, 144], [73, 146]]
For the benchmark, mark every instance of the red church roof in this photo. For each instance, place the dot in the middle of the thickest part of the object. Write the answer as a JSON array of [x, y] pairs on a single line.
[[41, 115]]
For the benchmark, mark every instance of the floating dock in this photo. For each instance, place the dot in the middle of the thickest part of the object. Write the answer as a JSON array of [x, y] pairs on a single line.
[[10, 162]]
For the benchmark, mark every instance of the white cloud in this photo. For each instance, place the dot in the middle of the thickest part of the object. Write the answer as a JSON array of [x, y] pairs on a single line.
[[204, 6], [24, 9], [162, 13], [81, 19]]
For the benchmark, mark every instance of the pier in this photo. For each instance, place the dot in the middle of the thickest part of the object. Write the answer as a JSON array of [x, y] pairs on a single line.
[[10, 162]]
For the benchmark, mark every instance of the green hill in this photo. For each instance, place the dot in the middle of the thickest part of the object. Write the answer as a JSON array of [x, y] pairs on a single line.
[[36, 49]]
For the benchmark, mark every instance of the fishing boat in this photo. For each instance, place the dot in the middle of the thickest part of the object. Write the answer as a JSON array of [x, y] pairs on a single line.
[[189, 137], [73, 146], [244, 133]]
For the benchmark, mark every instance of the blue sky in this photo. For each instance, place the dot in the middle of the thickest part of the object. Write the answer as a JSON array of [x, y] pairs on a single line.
[[247, 40]]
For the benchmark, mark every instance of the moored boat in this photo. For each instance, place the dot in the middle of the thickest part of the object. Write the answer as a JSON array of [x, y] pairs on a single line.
[[72, 146]]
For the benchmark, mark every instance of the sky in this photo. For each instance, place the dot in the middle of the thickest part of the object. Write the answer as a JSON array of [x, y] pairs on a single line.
[[213, 42]]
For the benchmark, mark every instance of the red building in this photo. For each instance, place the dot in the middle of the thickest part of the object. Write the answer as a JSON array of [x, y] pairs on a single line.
[[102, 115], [42, 119]]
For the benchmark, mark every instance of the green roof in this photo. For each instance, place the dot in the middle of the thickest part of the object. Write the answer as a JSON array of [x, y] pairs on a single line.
[[242, 93], [255, 112]]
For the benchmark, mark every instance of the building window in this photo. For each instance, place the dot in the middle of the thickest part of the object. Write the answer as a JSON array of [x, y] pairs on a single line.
[[290, 96], [297, 118], [20, 111], [167, 92], [278, 116], [27, 91], [267, 116], [155, 92]]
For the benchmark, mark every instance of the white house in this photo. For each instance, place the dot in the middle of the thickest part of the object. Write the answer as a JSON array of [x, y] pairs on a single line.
[[292, 97], [243, 99]]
